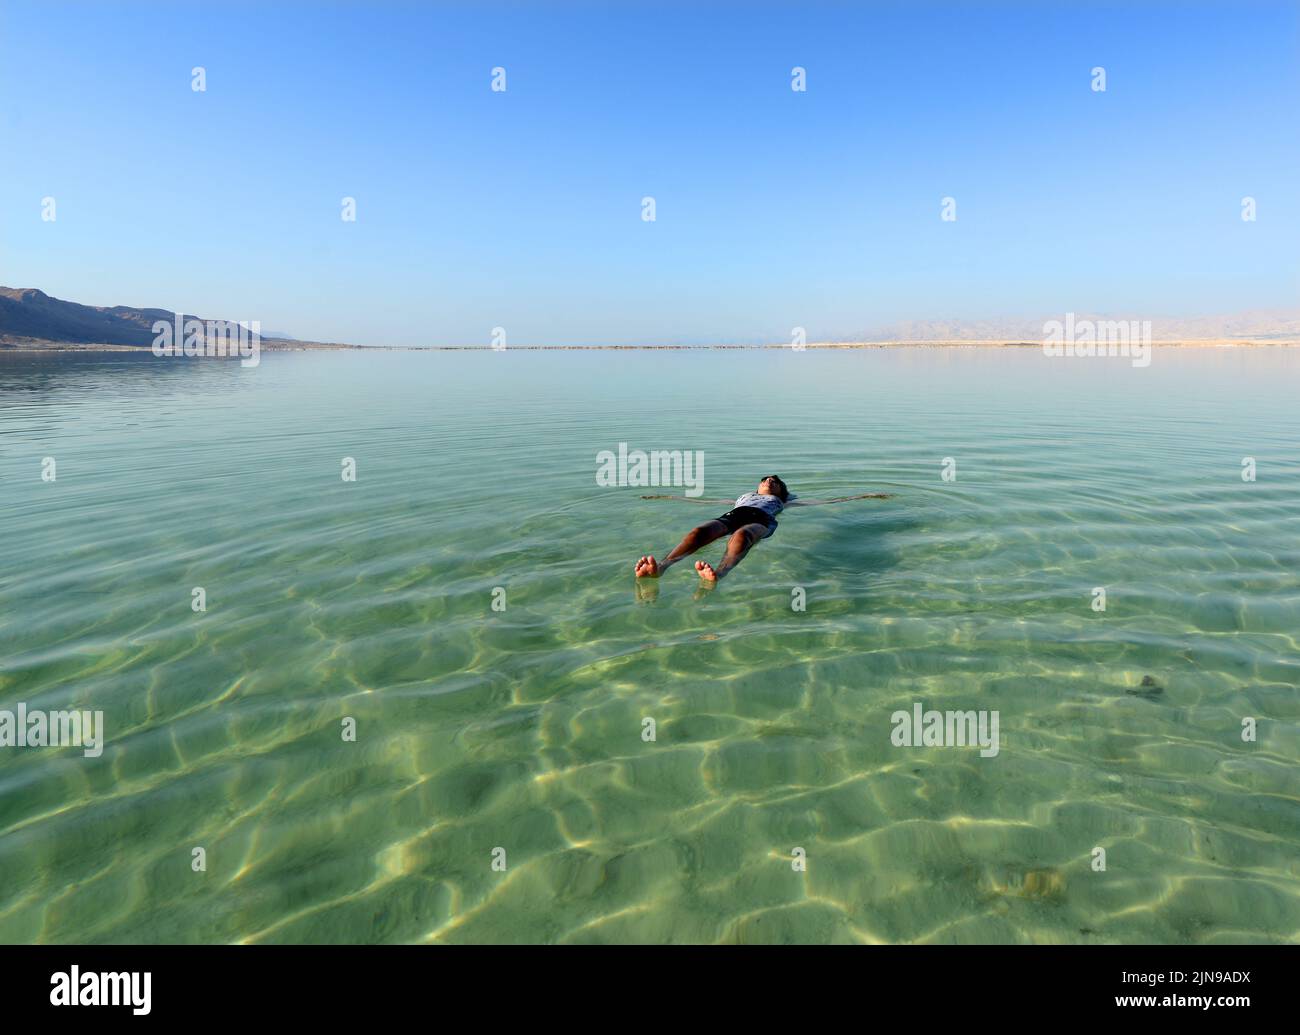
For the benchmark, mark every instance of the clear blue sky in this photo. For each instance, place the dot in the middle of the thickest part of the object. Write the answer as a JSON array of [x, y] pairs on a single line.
[[775, 209]]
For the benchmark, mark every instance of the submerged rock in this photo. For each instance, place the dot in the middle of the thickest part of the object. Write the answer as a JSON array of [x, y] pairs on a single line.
[[1148, 688], [1045, 884]]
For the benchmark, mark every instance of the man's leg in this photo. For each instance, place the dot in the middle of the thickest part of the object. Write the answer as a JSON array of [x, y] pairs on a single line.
[[737, 546], [648, 567]]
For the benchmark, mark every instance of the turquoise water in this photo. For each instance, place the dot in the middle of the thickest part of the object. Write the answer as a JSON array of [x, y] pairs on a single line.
[[522, 729]]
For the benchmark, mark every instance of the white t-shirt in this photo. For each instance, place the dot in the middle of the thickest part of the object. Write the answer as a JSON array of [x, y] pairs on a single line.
[[769, 505]]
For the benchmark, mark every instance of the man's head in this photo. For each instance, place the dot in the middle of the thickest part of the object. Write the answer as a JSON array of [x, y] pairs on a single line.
[[772, 485]]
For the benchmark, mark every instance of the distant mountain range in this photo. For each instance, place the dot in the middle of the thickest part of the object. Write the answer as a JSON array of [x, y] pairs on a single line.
[[30, 316], [1257, 325]]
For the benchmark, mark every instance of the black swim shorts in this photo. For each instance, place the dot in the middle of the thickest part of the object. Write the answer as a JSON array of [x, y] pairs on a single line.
[[742, 516]]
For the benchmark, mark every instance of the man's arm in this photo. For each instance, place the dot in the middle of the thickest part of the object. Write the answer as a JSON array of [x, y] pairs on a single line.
[[841, 499], [688, 499]]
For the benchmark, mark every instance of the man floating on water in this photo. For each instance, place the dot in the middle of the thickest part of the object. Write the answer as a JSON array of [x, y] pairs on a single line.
[[751, 518]]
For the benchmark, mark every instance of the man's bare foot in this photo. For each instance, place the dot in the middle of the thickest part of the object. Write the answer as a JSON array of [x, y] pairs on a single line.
[[706, 571], [647, 568]]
